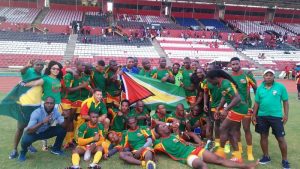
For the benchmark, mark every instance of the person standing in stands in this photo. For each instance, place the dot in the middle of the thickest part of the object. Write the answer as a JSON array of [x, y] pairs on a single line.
[[31, 71], [51, 85], [244, 81], [162, 73], [130, 68], [187, 84], [267, 112], [146, 69]]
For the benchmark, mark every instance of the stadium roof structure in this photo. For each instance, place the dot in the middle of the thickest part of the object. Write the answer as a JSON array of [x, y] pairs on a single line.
[[293, 4]]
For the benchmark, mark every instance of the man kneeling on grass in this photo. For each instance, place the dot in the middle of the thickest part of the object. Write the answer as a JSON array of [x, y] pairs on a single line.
[[40, 128], [90, 139], [195, 157]]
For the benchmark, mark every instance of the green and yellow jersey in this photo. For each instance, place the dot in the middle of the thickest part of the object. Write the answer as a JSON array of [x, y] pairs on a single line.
[[87, 131], [112, 88], [90, 105], [145, 73], [167, 118], [118, 123], [98, 80], [133, 113], [175, 147], [214, 93], [229, 90], [136, 139], [186, 80], [160, 73]]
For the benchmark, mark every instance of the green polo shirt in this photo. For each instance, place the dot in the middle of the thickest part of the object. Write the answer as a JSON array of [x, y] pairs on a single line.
[[270, 100]]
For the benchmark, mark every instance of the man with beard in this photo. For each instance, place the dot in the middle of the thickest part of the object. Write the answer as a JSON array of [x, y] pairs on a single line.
[[244, 82], [162, 73]]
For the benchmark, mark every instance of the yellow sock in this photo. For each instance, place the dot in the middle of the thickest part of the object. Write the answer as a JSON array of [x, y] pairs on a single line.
[[250, 153], [237, 154], [143, 164], [75, 159], [97, 157], [220, 152], [217, 142], [240, 147]]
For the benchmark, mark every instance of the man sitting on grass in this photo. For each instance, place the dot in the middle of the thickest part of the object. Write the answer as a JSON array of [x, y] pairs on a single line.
[[89, 141]]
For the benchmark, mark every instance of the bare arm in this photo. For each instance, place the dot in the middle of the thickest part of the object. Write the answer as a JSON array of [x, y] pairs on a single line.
[[38, 82], [285, 111], [236, 100]]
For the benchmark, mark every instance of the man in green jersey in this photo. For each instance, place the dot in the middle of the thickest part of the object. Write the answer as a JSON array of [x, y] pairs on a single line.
[[195, 157], [89, 139], [146, 70], [31, 71], [139, 140], [113, 85], [162, 73], [98, 77], [118, 122], [187, 84], [161, 116], [244, 81], [177, 74], [232, 114], [212, 97], [141, 113]]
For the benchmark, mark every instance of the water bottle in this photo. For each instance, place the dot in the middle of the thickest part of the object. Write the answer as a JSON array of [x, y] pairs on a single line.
[[87, 154], [197, 131]]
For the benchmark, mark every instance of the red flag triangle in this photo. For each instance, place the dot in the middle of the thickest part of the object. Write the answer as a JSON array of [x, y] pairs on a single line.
[[133, 90]]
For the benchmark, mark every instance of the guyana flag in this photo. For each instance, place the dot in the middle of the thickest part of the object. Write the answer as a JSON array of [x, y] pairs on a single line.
[[152, 92], [20, 102]]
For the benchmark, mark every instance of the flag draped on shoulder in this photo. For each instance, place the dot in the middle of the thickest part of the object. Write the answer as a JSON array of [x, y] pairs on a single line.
[[152, 91], [20, 102]]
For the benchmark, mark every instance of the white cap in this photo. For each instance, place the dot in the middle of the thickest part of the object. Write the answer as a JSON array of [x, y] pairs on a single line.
[[269, 70]]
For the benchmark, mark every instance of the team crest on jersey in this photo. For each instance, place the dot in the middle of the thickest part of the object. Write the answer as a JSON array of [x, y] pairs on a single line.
[[175, 140], [274, 92], [139, 134], [243, 81]]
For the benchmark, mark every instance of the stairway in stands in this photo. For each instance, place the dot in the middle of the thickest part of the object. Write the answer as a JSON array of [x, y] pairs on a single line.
[[41, 16], [160, 51], [69, 53]]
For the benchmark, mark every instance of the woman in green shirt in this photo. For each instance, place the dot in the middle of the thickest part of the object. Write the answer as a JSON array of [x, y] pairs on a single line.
[[50, 82]]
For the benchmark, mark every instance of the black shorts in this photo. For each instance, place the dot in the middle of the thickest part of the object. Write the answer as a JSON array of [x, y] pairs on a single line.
[[265, 122], [298, 88]]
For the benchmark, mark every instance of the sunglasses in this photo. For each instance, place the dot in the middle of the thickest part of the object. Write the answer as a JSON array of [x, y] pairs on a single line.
[[54, 68]]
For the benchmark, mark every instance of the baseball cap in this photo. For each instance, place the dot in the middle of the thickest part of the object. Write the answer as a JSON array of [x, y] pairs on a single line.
[[269, 70]]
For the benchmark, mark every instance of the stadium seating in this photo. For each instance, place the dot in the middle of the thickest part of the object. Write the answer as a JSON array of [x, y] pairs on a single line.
[[114, 48], [275, 59], [22, 59], [213, 23], [61, 17], [19, 15], [258, 27], [187, 22], [33, 37], [95, 19], [293, 27], [200, 49]]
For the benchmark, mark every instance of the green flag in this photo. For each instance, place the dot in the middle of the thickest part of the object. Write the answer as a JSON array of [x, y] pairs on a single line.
[[20, 102]]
